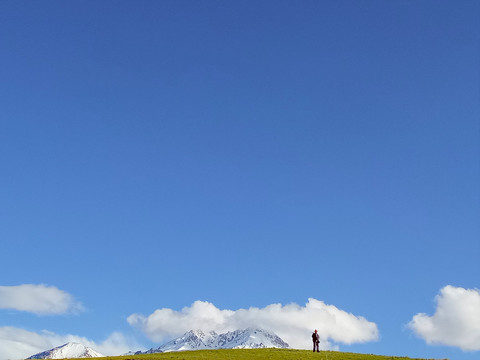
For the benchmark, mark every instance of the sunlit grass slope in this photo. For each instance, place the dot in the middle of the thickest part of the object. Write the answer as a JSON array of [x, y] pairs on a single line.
[[255, 354]]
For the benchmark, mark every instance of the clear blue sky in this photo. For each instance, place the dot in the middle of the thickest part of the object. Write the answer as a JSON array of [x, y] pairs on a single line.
[[244, 153]]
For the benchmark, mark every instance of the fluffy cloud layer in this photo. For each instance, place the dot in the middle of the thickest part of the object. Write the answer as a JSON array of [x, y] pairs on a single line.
[[16, 343], [456, 321], [293, 323], [38, 299]]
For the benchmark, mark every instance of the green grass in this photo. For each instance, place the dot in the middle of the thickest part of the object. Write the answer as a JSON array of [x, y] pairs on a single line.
[[254, 354]]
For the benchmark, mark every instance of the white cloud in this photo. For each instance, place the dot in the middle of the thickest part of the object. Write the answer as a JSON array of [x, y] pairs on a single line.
[[293, 323], [16, 343], [38, 299], [456, 321]]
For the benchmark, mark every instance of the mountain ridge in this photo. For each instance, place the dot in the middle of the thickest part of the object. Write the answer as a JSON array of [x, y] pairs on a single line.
[[239, 339], [69, 350]]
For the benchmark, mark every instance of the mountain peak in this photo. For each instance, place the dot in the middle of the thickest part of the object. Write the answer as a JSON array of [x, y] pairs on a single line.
[[68, 350], [239, 339]]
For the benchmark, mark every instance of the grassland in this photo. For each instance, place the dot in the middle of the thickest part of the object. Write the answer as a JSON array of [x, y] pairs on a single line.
[[255, 354]]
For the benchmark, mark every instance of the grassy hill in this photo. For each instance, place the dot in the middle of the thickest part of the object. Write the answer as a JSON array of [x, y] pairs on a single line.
[[255, 354]]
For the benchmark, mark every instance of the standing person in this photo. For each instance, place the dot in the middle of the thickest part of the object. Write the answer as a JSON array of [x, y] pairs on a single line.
[[316, 340]]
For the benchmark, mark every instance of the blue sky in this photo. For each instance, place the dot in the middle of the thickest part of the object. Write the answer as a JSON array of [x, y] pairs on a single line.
[[241, 154]]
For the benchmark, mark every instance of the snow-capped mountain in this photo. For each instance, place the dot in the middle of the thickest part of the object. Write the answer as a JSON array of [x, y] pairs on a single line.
[[238, 339], [69, 350], [250, 339]]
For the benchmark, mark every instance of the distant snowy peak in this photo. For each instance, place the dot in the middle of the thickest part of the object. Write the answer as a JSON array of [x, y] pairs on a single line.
[[191, 340], [69, 350], [250, 339], [238, 339]]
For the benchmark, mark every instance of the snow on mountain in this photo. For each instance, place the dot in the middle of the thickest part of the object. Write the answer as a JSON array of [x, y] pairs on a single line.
[[250, 339], [69, 350], [238, 339]]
